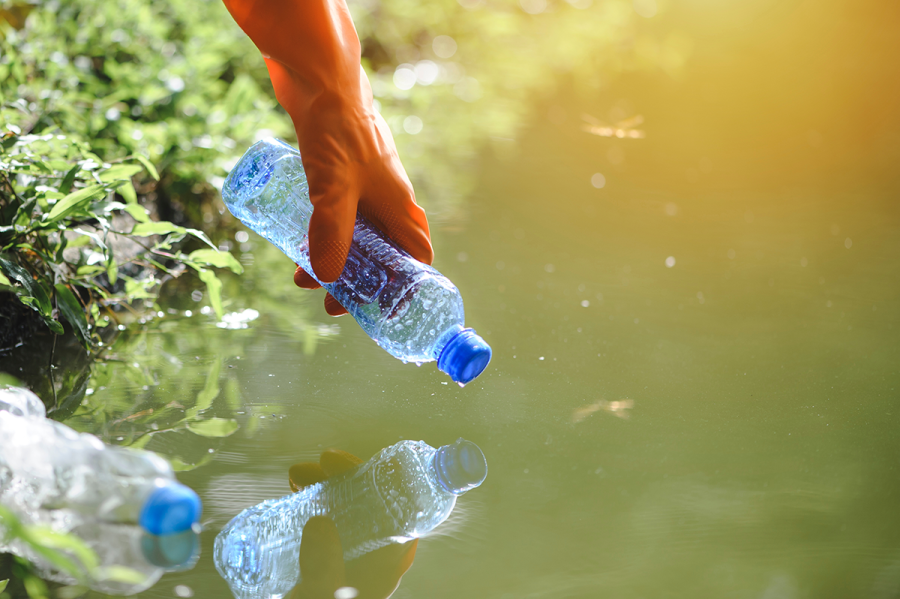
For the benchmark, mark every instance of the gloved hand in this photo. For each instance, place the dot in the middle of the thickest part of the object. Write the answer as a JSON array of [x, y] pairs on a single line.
[[375, 575], [313, 55]]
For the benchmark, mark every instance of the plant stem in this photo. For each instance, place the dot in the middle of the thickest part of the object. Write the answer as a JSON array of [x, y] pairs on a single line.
[[52, 351]]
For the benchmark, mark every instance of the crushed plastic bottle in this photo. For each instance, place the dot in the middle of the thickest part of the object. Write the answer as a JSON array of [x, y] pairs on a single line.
[[52, 475], [409, 308], [402, 493]]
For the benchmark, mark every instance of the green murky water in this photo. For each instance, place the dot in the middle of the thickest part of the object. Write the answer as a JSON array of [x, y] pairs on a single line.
[[694, 385]]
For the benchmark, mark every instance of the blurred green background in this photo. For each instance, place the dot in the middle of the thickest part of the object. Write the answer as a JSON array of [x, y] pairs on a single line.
[[729, 273]]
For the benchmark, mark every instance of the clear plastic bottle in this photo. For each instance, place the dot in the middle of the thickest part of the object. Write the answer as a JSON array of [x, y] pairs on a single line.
[[402, 493], [116, 546], [409, 308], [52, 475]]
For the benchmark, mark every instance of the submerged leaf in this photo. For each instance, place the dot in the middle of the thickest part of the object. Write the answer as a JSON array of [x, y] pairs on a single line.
[[214, 427], [210, 391]]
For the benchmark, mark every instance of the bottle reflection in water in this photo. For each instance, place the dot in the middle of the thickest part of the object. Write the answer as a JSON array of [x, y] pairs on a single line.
[[129, 560], [410, 309], [402, 493], [53, 475]]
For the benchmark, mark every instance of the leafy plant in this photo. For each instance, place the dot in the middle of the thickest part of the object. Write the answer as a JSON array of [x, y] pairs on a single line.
[[74, 241], [64, 552]]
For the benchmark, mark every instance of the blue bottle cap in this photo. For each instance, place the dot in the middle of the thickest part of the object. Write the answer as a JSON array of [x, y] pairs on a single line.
[[171, 552], [465, 356], [171, 508], [460, 467]]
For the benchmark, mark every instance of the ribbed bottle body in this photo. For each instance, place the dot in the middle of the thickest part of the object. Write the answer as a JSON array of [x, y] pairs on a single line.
[[54, 475], [393, 497], [409, 308]]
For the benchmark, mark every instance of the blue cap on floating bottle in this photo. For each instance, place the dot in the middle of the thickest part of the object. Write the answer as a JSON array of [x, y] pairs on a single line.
[[465, 356], [170, 508], [460, 467]]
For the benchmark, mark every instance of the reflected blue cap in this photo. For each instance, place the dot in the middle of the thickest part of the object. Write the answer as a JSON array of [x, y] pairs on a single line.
[[460, 467], [171, 552], [465, 356], [171, 508]]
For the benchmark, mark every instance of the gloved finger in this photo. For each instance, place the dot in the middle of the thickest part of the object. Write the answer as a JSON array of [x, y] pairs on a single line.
[[377, 574], [405, 224], [305, 474], [337, 461], [322, 569], [390, 202], [331, 224], [334, 307], [304, 279]]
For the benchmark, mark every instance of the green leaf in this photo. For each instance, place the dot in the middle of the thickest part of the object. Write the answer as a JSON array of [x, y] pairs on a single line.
[[217, 259], [8, 380], [209, 393], [33, 294], [63, 242], [178, 465], [88, 235], [128, 193], [112, 271], [214, 286], [49, 538], [72, 202], [137, 212], [120, 172], [135, 289], [214, 427], [54, 325], [149, 166], [202, 237], [3, 584], [69, 179], [72, 311], [148, 228], [89, 270], [4, 280], [118, 574]]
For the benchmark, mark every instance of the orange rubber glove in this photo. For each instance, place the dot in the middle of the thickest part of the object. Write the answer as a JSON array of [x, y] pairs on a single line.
[[375, 575], [312, 52]]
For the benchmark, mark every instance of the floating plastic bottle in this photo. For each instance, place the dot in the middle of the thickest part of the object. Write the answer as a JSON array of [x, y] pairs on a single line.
[[409, 308], [402, 493], [129, 560], [50, 474]]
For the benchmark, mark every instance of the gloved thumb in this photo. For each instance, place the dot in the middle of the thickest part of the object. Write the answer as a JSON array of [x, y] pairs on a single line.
[[331, 231]]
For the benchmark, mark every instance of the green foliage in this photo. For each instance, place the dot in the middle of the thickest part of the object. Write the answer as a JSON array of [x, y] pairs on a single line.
[[66, 241], [176, 84], [63, 551], [93, 95]]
